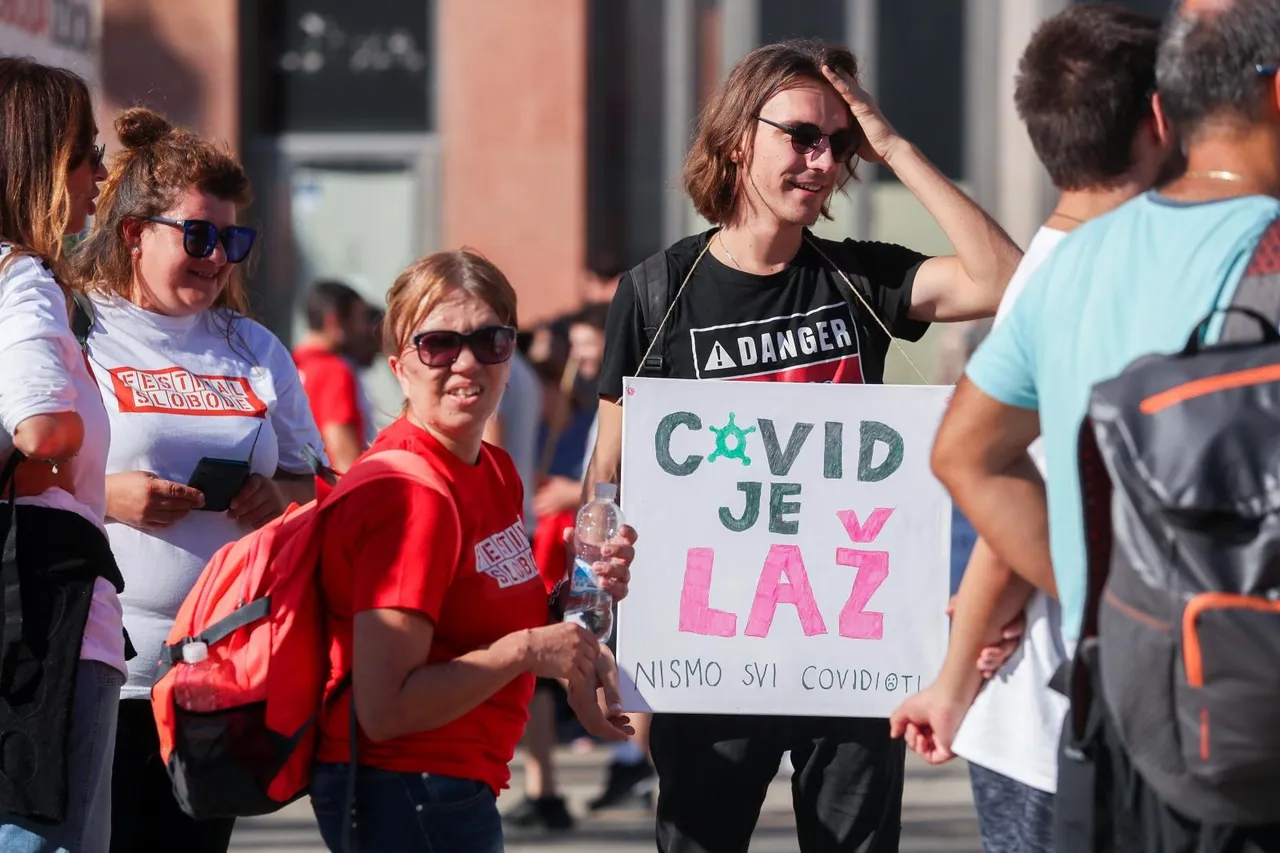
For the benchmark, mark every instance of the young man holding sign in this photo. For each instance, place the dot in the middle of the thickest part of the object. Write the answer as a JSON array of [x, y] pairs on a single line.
[[778, 137]]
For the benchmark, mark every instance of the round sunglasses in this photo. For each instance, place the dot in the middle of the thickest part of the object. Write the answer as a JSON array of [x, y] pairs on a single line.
[[200, 237], [806, 137], [489, 344]]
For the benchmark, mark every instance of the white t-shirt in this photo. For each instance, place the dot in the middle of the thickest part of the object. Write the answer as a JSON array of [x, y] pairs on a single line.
[[178, 390], [521, 412], [42, 371], [1014, 724]]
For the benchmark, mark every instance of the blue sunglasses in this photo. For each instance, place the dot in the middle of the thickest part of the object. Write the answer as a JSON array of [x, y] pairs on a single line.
[[199, 237]]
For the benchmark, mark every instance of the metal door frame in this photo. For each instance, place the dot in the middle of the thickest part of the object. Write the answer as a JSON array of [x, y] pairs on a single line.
[[275, 159]]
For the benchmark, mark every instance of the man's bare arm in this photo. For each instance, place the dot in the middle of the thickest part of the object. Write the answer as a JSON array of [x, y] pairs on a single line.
[[980, 455], [991, 595]]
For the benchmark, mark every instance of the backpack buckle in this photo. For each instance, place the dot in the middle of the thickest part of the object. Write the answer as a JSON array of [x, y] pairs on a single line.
[[173, 653]]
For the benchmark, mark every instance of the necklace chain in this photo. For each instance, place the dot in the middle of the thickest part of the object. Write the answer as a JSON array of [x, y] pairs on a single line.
[[1216, 175], [728, 254]]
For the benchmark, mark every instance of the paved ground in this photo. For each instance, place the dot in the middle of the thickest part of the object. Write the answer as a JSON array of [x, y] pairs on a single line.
[[937, 816]]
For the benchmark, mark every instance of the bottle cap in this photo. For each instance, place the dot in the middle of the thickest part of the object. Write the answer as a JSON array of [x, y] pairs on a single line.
[[195, 652], [608, 491]]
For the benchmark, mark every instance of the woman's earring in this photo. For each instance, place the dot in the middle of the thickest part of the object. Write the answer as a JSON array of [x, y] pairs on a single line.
[[135, 250]]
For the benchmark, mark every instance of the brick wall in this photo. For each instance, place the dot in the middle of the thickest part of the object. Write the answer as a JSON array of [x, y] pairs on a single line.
[[512, 84]]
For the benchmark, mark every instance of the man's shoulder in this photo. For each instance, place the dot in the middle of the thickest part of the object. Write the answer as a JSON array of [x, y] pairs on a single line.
[[688, 248], [679, 256], [1040, 249], [854, 248]]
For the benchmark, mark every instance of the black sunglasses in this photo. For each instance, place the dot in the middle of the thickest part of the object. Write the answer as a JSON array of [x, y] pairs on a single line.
[[806, 137], [489, 344], [95, 155], [199, 237]]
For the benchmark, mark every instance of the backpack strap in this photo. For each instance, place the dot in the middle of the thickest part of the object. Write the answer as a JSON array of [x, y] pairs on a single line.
[[224, 627], [404, 463], [1075, 681], [83, 318], [651, 282], [1258, 291], [10, 580]]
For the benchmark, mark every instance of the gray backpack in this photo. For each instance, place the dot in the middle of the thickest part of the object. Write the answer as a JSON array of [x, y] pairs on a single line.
[[1180, 476]]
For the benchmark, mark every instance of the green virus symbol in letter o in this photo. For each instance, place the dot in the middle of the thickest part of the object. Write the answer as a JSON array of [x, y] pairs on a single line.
[[731, 433]]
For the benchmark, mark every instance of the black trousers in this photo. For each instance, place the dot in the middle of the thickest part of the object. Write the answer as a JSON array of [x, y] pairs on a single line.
[[1104, 805], [145, 817], [714, 772]]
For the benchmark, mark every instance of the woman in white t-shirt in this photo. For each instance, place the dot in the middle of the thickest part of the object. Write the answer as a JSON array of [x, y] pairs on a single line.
[[68, 644], [187, 378]]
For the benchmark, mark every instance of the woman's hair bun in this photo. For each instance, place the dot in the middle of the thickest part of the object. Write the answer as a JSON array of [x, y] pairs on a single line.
[[139, 127]]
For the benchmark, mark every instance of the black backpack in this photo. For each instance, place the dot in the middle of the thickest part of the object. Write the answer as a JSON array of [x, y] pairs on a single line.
[[1180, 479]]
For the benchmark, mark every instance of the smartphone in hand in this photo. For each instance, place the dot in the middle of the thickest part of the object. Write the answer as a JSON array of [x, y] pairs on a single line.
[[220, 480]]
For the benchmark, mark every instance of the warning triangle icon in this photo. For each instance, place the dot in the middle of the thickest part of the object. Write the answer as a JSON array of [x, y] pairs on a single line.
[[719, 359]]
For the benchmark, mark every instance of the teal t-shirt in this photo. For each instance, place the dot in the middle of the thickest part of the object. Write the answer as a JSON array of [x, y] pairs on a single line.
[[1130, 283]]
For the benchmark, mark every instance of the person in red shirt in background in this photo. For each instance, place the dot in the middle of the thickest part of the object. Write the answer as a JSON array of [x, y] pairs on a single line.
[[340, 341], [446, 623]]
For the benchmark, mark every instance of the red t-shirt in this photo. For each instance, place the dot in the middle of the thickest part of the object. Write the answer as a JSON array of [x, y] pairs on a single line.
[[332, 386], [398, 545]]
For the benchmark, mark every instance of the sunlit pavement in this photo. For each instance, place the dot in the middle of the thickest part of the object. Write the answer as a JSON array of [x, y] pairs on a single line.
[[937, 817]]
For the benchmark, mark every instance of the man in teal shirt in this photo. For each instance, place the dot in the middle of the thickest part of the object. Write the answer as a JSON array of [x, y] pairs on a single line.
[[1129, 283], [1133, 282]]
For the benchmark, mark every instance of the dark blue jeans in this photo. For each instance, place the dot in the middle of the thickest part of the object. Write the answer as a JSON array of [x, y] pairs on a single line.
[[406, 812]]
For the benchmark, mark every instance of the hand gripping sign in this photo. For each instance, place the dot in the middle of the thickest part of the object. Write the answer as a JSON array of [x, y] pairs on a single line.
[[796, 547]]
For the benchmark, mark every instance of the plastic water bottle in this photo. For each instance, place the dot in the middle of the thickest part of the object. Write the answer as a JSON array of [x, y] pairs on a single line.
[[589, 604], [194, 689]]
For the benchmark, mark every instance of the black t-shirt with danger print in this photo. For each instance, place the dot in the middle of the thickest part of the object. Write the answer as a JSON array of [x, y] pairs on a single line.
[[793, 326]]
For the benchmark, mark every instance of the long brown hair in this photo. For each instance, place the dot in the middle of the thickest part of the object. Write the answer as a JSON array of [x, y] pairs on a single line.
[[46, 130], [728, 122], [158, 164]]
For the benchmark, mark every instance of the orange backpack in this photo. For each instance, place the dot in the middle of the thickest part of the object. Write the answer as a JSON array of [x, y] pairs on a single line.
[[242, 678]]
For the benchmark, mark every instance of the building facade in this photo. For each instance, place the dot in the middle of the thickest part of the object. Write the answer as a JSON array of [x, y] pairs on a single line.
[[546, 133]]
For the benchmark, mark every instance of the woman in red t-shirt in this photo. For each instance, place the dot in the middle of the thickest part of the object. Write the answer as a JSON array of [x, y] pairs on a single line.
[[434, 603]]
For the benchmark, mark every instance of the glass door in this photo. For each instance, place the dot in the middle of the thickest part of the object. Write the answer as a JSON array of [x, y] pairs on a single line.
[[357, 223]]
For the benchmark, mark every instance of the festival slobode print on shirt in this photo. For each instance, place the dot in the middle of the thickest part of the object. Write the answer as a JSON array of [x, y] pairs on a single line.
[[818, 346], [177, 391], [506, 557]]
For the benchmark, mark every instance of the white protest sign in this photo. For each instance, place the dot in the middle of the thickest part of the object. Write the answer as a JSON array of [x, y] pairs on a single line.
[[794, 547]]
